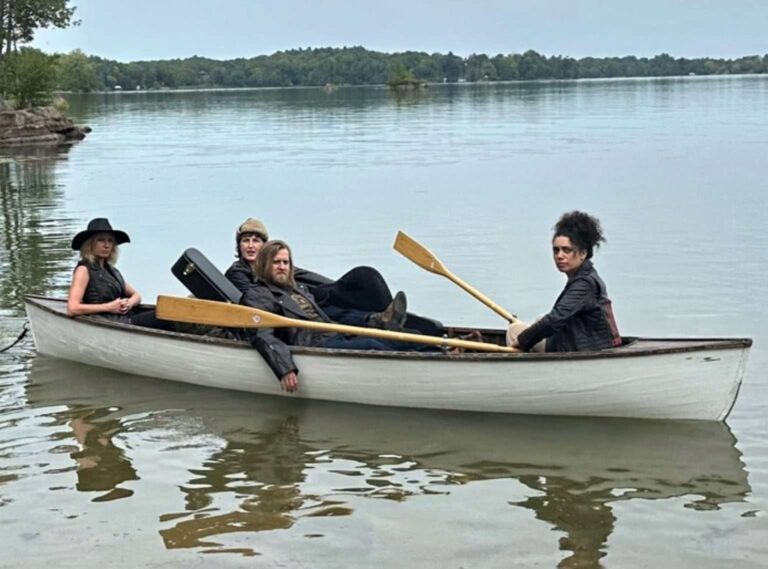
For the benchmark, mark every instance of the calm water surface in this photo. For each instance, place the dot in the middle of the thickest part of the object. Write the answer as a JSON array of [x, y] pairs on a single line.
[[101, 469]]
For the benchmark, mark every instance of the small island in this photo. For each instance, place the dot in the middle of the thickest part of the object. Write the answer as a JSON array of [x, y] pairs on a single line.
[[407, 84], [403, 79]]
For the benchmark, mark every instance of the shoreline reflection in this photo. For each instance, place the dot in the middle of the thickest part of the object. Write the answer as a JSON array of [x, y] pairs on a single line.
[[35, 255]]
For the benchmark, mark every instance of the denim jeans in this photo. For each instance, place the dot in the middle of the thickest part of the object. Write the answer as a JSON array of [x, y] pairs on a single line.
[[365, 343], [348, 316]]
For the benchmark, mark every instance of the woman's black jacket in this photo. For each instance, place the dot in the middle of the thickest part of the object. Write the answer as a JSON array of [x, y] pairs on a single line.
[[579, 321]]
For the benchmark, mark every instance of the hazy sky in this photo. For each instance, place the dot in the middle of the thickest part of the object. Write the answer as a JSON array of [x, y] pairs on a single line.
[[225, 29]]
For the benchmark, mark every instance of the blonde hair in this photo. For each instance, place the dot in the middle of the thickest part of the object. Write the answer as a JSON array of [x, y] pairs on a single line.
[[87, 254]]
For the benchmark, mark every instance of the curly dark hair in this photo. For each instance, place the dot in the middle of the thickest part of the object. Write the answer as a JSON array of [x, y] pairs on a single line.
[[582, 229]]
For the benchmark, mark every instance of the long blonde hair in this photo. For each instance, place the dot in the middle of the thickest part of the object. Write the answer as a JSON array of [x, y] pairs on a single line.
[[87, 254], [267, 254]]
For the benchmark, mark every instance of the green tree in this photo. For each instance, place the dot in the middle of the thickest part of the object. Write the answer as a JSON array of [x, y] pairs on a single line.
[[664, 64], [480, 68], [506, 66], [453, 67], [399, 75], [533, 65], [28, 76], [20, 19], [76, 72]]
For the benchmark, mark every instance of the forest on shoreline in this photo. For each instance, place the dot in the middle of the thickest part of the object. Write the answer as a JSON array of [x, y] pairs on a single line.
[[28, 76], [359, 66]]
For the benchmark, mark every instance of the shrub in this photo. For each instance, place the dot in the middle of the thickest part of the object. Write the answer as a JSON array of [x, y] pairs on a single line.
[[60, 104], [28, 76]]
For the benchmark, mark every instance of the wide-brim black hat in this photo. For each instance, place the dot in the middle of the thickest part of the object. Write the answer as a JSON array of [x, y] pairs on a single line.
[[99, 225]]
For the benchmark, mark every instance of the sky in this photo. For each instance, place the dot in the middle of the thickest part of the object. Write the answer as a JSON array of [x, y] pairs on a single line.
[[226, 29]]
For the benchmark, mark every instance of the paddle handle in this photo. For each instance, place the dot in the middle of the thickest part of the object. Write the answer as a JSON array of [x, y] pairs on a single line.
[[500, 310], [399, 336], [211, 313]]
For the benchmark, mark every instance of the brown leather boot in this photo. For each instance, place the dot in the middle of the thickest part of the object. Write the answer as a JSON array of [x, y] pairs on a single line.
[[393, 317]]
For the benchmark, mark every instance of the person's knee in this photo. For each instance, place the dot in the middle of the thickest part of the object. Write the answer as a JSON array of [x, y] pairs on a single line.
[[513, 331], [362, 276]]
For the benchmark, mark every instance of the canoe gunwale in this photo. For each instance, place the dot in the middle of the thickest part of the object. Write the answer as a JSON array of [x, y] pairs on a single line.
[[635, 347]]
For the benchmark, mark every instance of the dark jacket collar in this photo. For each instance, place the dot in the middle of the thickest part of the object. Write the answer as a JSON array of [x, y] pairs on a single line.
[[584, 270], [245, 268]]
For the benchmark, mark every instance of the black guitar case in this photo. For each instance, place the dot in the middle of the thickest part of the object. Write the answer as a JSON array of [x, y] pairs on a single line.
[[203, 279]]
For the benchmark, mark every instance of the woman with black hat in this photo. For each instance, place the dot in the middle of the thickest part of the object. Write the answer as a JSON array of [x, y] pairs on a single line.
[[97, 286]]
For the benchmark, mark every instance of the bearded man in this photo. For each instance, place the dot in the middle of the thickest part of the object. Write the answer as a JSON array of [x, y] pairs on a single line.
[[276, 290]]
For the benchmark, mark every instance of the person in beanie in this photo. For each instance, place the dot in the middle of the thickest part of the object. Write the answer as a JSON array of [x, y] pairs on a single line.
[[361, 297], [582, 318]]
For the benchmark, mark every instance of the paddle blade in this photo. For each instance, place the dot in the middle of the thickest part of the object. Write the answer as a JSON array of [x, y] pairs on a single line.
[[211, 313], [419, 254], [424, 258]]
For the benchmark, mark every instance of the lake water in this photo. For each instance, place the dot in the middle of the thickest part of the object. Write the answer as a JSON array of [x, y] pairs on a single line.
[[99, 469]]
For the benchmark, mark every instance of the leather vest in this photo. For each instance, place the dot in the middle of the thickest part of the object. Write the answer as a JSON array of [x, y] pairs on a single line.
[[105, 283]]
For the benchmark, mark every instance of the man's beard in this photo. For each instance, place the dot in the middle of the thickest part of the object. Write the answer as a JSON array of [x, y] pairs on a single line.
[[281, 279]]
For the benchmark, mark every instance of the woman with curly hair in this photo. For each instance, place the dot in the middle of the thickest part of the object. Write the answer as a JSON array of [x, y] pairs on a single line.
[[582, 318]]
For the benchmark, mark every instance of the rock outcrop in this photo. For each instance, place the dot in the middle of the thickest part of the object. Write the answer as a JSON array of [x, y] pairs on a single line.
[[41, 125]]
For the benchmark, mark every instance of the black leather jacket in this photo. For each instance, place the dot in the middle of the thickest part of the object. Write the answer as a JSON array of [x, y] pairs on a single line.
[[273, 343], [241, 275], [578, 321]]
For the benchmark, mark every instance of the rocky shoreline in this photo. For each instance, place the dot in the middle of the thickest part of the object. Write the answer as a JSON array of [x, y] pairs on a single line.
[[38, 126]]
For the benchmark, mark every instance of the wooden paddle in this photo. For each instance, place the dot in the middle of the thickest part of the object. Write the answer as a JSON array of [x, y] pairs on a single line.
[[212, 313], [424, 258]]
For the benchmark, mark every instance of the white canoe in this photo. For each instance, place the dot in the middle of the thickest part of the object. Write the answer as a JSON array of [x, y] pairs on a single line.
[[646, 378]]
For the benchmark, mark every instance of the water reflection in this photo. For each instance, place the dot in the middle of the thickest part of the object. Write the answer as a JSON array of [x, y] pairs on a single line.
[[277, 461], [34, 239], [101, 465], [265, 471]]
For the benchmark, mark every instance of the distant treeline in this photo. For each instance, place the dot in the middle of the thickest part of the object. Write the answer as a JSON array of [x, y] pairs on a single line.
[[359, 66]]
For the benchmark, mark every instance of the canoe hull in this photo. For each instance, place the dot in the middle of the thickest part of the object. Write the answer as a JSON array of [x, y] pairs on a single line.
[[671, 384]]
